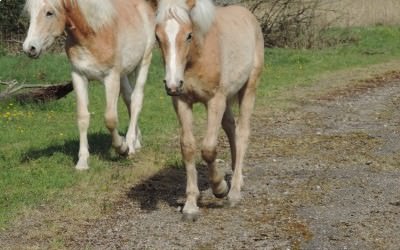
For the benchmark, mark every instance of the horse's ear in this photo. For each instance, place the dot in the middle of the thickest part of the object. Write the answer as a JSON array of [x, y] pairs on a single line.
[[191, 3]]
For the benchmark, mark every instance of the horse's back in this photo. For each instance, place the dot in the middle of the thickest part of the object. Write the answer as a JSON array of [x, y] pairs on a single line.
[[241, 43], [136, 22]]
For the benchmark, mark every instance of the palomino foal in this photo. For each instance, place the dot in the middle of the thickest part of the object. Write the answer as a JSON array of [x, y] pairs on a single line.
[[212, 55], [107, 40]]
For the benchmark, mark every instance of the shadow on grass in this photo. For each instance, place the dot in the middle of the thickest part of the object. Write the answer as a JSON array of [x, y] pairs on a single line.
[[169, 186], [99, 144]]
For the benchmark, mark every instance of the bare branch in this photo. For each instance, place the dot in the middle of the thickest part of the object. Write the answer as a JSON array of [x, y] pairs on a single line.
[[34, 92]]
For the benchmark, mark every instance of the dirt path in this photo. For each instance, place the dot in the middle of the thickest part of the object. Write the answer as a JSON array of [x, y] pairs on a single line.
[[322, 173]]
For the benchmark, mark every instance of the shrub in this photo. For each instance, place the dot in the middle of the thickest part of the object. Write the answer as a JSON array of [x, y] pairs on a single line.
[[11, 20], [289, 23]]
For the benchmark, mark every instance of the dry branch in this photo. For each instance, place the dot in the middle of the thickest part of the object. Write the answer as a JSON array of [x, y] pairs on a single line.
[[24, 92]]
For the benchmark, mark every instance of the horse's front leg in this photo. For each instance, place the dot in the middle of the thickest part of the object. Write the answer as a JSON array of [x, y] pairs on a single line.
[[188, 147], [112, 88], [83, 116], [133, 134], [215, 111]]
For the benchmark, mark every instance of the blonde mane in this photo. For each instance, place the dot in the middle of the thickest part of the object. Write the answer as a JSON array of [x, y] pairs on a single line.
[[202, 14], [98, 13]]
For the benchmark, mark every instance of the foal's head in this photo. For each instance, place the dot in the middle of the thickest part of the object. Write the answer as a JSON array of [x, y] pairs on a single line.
[[47, 21], [179, 24]]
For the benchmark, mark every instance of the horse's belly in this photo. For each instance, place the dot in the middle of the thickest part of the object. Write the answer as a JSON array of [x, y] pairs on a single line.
[[85, 63]]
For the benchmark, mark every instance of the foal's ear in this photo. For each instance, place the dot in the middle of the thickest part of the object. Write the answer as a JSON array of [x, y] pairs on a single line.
[[191, 3]]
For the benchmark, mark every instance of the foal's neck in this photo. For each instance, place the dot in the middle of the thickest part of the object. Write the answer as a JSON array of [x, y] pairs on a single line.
[[202, 47]]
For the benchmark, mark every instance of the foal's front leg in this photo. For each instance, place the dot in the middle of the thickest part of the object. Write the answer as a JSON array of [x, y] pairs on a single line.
[[215, 111], [83, 116], [188, 147]]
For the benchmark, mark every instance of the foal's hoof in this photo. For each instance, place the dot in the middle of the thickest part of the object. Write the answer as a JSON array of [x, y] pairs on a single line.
[[233, 199], [222, 191], [190, 217]]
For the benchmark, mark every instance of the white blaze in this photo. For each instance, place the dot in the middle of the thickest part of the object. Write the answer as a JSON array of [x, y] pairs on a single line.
[[35, 36], [172, 29]]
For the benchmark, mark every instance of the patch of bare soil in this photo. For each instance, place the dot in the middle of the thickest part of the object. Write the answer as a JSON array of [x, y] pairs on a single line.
[[321, 174]]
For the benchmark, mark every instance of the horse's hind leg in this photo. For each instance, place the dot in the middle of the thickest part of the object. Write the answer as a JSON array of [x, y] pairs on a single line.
[[112, 89], [82, 101], [126, 92], [133, 135]]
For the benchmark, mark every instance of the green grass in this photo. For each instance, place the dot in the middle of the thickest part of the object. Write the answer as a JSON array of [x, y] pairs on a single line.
[[39, 143], [370, 46]]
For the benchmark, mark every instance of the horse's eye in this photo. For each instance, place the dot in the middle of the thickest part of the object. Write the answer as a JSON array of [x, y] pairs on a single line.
[[49, 13], [189, 37]]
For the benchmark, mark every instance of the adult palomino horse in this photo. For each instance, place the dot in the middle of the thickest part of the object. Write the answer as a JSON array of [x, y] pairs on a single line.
[[212, 55], [107, 40]]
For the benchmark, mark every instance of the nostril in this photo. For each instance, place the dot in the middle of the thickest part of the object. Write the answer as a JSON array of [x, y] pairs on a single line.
[[165, 81], [180, 84], [32, 49]]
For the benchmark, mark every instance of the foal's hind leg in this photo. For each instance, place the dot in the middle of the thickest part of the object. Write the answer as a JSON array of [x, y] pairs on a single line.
[[215, 112], [133, 135], [82, 101], [229, 126], [246, 103]]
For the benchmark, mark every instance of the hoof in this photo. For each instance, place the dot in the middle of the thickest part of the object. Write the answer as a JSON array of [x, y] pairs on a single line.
[[233, 199], [224, 192], [130, 156], [138, 145], [81, 166], [190, 213], [122, 150], [190, 217]]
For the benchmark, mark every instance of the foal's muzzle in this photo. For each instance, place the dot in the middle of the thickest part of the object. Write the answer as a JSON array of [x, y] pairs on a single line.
[[174, 91]]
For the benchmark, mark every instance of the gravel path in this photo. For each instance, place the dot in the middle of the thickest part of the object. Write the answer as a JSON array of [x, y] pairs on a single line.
[[322, 174]]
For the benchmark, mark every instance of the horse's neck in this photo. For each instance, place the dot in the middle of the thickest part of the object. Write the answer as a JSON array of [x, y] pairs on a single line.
[[101, 44], [76, 25]]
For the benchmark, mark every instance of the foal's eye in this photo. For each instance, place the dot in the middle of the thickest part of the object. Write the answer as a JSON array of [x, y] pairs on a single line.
[[49, 13], [189, 37]]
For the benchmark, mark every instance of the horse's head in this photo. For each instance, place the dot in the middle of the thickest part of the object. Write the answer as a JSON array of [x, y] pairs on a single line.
[[179, 22], [47, 21]]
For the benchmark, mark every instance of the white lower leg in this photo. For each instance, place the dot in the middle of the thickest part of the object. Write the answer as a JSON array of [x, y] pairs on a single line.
[[191, 209], [83, 116], [133, 135]]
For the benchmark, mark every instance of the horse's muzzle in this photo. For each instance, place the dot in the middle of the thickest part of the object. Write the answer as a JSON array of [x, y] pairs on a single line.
[[32, 52]]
